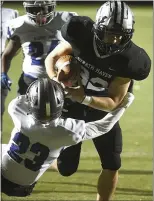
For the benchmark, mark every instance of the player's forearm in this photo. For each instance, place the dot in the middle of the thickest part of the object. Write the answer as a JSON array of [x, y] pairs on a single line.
[[10, 51], [50, 66], [104, 125], [61, 49], [6, 62], [104, 103]]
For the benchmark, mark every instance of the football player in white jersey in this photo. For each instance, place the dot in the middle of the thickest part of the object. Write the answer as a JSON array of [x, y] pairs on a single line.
[[36, 33], [40, 133], [6, 14]]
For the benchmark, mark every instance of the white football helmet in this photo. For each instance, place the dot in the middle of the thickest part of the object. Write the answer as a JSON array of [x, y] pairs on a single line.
[[40, 12], [113, 28]]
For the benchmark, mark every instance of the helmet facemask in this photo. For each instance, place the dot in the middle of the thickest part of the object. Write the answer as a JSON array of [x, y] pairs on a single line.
[[111, 41], [40, 12]]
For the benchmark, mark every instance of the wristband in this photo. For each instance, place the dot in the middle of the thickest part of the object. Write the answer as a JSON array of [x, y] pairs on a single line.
[[87, 100]]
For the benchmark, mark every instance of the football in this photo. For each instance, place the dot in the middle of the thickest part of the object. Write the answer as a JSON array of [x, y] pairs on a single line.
[[67, 70]]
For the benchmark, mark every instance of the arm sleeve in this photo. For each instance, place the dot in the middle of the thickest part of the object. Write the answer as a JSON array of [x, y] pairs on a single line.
[[100, 127]]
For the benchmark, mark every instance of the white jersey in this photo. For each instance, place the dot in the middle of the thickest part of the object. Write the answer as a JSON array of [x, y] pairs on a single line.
[[6, 14], [33, 146], [38, 41]]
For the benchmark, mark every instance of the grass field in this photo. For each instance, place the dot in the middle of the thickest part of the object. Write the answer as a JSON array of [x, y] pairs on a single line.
[[135, 181]]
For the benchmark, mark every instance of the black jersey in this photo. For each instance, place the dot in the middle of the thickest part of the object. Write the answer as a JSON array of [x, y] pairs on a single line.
[[97, 73], [132, 63]]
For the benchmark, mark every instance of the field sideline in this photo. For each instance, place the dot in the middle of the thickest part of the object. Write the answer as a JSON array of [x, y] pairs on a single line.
[[135, 180]]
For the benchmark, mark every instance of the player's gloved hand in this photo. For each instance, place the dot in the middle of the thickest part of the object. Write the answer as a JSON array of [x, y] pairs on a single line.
[[5, 81]]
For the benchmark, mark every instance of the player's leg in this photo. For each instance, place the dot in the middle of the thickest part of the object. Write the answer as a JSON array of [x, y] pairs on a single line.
[[68, 160], [109, 147], [10, 188]]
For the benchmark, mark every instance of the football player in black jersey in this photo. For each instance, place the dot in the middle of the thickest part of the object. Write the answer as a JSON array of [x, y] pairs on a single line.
[[110, 62]]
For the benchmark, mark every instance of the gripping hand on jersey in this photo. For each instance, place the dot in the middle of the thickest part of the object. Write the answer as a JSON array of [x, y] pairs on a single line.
[[5, 81]]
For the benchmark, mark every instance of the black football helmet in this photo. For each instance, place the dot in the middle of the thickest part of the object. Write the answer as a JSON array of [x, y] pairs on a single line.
[[113, 28], [46, 100], [40, 12]]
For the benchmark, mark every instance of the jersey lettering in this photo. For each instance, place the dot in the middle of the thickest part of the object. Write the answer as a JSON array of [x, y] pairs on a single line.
[[21, 144], [93, 83]]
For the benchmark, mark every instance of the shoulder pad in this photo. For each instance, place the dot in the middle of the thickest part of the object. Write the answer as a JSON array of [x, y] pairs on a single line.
[[140, 65], [14, 13], [65, 16], [76, 27], [135, 63], [14, 25], [18, 109], [15, 104]]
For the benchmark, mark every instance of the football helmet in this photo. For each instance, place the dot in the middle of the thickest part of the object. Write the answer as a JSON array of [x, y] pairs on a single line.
[[40, 12], [113, 28], [45, 100]]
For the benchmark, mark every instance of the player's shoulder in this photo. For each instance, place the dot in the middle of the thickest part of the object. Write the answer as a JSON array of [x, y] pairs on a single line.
[[16, 26], [14, 13], [65, 15], [17, 105], [77, 27], [11, 12], [17, 22], [138, 62], [80, 22]]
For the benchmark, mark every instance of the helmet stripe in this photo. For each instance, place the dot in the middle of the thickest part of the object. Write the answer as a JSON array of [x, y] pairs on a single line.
[[122, 12], [115, 11], [119, 12]]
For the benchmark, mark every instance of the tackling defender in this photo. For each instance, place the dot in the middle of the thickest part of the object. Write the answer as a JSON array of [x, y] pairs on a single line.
[[6, 14], [109, 62], [40, 133]]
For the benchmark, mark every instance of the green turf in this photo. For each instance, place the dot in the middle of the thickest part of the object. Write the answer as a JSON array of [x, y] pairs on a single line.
[[135, 181]]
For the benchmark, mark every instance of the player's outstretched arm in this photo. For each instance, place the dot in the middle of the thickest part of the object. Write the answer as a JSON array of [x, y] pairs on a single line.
[[116, 92], [100, 127]]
